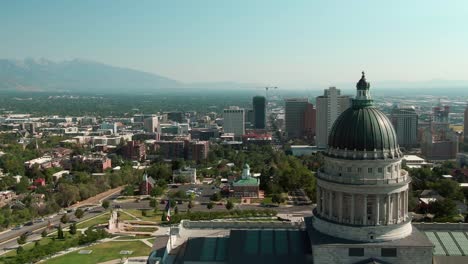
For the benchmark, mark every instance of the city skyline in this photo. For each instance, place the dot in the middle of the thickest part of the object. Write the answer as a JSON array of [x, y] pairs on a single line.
[[298, 44]]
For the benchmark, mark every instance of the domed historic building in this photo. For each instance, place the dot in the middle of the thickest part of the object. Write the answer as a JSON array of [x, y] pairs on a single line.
[[362, 193]]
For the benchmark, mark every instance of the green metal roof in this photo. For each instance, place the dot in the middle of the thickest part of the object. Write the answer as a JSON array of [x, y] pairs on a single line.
[[449, 243], [362, 128], [247, 182]]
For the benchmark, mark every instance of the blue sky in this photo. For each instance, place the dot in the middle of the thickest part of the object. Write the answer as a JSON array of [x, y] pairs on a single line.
[[285, 43]]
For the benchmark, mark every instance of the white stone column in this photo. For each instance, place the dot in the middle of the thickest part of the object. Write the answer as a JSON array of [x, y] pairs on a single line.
[[352, 209], [405, 207], [398, 214], [377, 209], [330, 204], [364, 210], [340, 207], [389, 211]]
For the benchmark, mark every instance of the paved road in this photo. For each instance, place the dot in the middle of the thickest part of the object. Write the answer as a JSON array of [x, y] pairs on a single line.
[[8, 238]]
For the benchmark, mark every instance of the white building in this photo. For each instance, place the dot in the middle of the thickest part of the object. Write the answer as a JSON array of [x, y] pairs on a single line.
[[151, 124], [362, 193], [329, 107], [234, 120]]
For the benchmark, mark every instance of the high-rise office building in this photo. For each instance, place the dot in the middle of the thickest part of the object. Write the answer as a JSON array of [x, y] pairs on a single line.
[[310, 116], [294, 116], [150, 124], [405, 122], [465, 126], [329, 107], [259, 109], [234, 119]]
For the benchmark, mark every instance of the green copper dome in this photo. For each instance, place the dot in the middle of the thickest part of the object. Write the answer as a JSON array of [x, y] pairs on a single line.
[[362, 127]]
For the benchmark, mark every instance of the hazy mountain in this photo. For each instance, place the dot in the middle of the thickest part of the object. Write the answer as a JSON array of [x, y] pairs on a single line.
[[88, 76], [77, 76]]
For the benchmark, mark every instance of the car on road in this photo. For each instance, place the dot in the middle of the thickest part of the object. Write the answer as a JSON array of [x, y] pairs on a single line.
[[17, 227], [27, 233], [117, 206], [30, 223]]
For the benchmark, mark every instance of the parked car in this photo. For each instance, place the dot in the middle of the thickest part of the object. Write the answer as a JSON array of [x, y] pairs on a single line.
[[17, 227]]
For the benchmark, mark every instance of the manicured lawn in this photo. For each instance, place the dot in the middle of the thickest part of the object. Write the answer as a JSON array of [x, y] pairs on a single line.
[[150, 215], [29, 246], [124, 216], [101, 219], [103, 252]]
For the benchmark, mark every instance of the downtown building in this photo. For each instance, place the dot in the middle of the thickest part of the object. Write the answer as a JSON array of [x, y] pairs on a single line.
[[234, 121], [405, 122], [465, 128], [438, 141], [150, 124], [329, 106], [299, 119], [259, 112]]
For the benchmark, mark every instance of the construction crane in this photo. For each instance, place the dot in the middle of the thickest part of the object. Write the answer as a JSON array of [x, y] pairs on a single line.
[[269, 88]]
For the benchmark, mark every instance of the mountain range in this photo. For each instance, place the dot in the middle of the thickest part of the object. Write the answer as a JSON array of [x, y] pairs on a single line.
[[42, 75]]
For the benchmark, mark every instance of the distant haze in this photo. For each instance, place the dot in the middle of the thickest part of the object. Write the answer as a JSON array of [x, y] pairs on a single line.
[[291, 44], [80, 76]]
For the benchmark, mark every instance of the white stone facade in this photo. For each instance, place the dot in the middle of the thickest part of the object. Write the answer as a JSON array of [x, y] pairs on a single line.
[[363, 200]]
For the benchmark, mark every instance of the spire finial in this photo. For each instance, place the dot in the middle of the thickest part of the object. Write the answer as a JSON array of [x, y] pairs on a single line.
[[363, 74]]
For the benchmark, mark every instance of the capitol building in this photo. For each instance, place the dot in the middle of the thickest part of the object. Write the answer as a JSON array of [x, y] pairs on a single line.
[[362, 193]]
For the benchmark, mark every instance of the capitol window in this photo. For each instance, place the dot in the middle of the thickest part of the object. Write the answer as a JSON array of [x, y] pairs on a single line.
[[369, 170], [379, 169], [389, 169], [349, 169], [359, 169], [356, 252], [388, 252]]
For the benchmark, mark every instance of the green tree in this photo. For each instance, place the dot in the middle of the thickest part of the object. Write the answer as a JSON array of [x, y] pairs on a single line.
[[22, 239], [67, 194], [64, 219], [128, 190], [443, 208], [216, 196], [229, 205], [190, 205], [44, 233], [73, 229], [105, 204], [19, 250], [79, 213], [60, 234], [210, 205], [277, 198], [154, 204], [157, 191]]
